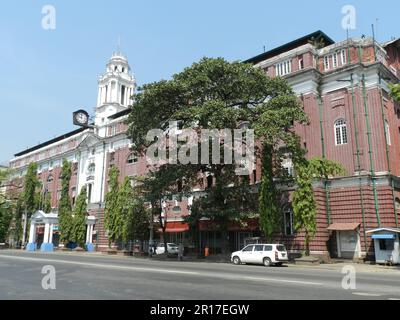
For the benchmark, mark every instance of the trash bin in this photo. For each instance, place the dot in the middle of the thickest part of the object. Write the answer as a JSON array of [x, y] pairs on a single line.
[[206, 252]]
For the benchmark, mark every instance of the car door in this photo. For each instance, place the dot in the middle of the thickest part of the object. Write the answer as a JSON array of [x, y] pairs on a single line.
[[258, 254], [247, 254], [268, 252]]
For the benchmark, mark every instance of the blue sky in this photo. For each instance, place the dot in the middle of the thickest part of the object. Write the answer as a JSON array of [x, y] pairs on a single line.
[[46, 75]]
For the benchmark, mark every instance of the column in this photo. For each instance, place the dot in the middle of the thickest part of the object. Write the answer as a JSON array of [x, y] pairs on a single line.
[[51, 233], [91, 233], [32, 233], [87, 233], [46, 233], [31, 246]]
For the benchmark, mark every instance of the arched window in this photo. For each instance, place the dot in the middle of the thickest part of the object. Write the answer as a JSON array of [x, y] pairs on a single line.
[[340, 132], [132, 158], [50, 178], [387, 132], [288, 220], [91, 169]]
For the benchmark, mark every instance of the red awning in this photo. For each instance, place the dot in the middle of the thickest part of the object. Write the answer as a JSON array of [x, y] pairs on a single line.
[[176, 226]]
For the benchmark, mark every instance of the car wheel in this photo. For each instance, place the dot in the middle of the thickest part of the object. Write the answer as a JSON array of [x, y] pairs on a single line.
[[236, 260], [267, 262]]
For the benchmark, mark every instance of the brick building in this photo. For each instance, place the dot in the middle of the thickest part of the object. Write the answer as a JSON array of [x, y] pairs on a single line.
[[343, 87]]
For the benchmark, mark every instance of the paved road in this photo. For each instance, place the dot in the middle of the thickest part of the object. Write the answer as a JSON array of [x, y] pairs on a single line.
[[94, 276]]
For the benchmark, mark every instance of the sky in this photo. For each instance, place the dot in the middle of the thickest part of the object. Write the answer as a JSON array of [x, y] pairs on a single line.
[[47, 74]]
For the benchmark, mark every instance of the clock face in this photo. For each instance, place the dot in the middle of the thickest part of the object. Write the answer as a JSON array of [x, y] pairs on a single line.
[[81, 118]]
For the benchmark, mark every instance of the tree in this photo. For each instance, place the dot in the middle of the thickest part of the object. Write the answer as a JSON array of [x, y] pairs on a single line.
[[30, 195], [395, 91], [304, 205], [5, 220], [31, 184], [135, 220], [215, 94], [64, 207], [112, 212], [78, 230], [47, 203]]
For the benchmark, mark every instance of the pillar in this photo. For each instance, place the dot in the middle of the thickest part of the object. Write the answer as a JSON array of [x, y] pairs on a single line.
[[31, 246], [47, 246], [51, 233], [89, 234]]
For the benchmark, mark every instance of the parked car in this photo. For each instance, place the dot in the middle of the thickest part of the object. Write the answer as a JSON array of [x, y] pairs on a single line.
[[266, 254], [171, 247]]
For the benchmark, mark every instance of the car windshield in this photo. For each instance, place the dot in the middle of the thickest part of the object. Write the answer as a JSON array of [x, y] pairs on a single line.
[[280, 248], [172, 244]]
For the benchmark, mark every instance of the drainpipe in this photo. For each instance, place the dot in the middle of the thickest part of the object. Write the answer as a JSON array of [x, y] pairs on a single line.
[[327, 202], [387, 148], [371, 161], [353, 101]]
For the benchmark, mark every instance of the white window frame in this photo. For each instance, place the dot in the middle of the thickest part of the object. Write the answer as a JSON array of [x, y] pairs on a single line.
[[334, 60], [283, 68], [341, 125], [326, 63], [343, 56], [387, 131]]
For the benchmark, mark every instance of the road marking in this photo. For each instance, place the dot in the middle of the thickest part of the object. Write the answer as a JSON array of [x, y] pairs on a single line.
[[130, 268], [98, 265], [367, 294], [283, 280], [393, 298]]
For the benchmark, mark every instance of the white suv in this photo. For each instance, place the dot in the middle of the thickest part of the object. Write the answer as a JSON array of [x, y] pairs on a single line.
[[171, 247], [266, 254]]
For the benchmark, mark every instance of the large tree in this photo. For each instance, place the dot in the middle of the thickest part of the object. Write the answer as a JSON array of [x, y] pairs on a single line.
[[64, 207], [78, 230], [304, 204], [112, 212], [215, 94]]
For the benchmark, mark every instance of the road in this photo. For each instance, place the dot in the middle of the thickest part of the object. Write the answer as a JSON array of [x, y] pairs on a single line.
[[95, 276]]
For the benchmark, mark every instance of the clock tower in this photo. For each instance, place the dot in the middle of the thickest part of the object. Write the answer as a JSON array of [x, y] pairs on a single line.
[[116, 87]]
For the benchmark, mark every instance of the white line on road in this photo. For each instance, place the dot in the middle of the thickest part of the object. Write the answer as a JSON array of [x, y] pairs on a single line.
[[203, 274], [366, 294]]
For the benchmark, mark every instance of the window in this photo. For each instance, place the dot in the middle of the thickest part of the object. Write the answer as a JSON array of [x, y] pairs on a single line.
[[254, 176], [259, 247], [334, 60], [343, 56], [301, 64], [50, 178], [91, 169], [387, 132], [326, 62], [248, 248], [122, 94], [386, 244], [89, 193], [268, 248], [283, 68], [132, 158], [209, 181], [288, 220], [340, 132]]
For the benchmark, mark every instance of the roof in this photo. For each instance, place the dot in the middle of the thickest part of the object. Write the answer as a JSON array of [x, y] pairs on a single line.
[[49, 142], [317, 35], [390, 229], [120, 114], [343, 226]]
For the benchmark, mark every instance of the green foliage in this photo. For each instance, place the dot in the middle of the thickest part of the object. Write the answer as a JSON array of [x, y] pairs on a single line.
[[5, 220], [31, 184], [135, 219], [47, 203], [215, 94], [395, 91], [112, 218], [78, 230], [269, 209], [304, 205], [64, 207]]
